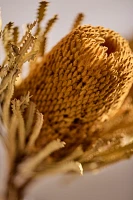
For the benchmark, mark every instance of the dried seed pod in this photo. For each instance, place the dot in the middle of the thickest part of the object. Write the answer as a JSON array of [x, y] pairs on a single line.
[[83, 80]]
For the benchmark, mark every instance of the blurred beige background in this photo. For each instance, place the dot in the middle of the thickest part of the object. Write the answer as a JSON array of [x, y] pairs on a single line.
[[114, 182]]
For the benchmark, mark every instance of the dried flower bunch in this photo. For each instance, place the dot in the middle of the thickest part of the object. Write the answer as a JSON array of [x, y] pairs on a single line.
[[73, 111]]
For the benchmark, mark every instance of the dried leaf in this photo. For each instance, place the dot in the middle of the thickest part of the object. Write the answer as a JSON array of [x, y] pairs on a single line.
[[29, 56], [41, 14], [30, 117], [13, 138], [29, 28], [7, 101], [40, 45], [78, 20], [15, 35], [26, 44], [6, 81], [50, 24], [35, 133], [15, 49], [16, 106], [7, 35], [61, 168], [3, 71]]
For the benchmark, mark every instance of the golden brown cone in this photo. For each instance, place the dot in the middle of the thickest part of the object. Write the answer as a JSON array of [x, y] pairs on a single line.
[[83, 80]]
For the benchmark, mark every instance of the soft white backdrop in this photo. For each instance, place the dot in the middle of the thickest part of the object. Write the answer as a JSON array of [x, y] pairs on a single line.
[[114, 182]]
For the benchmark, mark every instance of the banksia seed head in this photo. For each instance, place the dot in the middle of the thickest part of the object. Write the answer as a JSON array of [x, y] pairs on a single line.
[[83, 80]]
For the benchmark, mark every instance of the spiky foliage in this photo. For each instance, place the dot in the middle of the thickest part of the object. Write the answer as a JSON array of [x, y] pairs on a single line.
[[75, 63]]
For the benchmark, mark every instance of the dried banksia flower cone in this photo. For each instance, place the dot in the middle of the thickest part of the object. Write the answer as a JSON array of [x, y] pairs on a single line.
[[83, 80], [73, 111]]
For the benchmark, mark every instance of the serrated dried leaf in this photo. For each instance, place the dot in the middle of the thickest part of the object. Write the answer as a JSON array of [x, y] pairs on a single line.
[[25, 101], [78, 20], [7, 35], [5, 81], [16, 107], [7, 101], [27, 43], [3, 71], [29, 28], [29, 56], [50, 24], [15, 35], [15, 50], [10, 56], [40, 45], [41, 14]]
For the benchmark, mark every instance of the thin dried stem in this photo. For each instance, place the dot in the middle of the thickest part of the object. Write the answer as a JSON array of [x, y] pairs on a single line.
[[21, 125], [35, 132], [13, 137], [6, 80], [6, 106], [62, 168], [30, 117]]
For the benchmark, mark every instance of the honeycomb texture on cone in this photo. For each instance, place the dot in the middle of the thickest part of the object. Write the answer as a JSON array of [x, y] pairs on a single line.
[[84, 79]]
